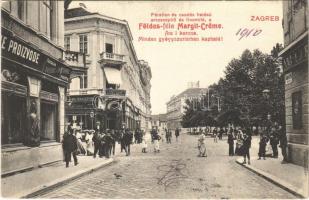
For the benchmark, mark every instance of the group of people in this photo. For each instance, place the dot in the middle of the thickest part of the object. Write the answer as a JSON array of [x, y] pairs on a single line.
[[274, 134], [96, 142]]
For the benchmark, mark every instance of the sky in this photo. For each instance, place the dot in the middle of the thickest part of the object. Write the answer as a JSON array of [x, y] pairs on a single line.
[[174, 64]]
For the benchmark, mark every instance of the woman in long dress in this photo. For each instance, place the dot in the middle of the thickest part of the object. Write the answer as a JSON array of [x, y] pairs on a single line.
[[202, 146], [89, 143], [80, 147]]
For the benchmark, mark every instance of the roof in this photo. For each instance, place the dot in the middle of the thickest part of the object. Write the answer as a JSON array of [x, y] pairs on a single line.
[[159, 117], [76, 12], [190, 92]]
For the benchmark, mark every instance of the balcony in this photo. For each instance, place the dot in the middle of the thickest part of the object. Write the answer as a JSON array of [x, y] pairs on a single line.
[[115, 93], [75, 59], [112, 59], [86, 91]]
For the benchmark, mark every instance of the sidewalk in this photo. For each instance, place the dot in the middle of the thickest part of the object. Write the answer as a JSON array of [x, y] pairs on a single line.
[[30, 183], [290, 177]]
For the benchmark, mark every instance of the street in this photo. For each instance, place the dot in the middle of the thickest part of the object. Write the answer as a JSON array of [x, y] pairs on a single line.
[[175, 172]]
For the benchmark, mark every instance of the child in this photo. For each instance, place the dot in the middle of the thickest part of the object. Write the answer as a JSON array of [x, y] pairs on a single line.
[[156, 139], [144, 144], [201, 146]]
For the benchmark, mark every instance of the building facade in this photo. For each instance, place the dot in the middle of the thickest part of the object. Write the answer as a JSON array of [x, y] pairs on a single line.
[[175, 106], [295, 67], [115, 89], [33, 84], [159, 122]]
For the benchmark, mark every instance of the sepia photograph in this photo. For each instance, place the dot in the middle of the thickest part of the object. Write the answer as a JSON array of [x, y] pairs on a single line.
[[154, 99]]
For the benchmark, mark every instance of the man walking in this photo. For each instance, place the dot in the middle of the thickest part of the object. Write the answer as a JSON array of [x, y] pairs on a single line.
[[69, 145], [283, 144], [230, 141], [177, 134], [127, 137]]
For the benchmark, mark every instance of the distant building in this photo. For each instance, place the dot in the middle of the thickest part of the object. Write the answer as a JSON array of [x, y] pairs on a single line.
[[114, 90], [295, 68], [175, 106], [159, 122]]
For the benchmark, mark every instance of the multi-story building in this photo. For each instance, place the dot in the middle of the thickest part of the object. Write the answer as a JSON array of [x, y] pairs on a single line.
[[175, 106], [159, 122], [115, 89], [33, 84], [295, 67]]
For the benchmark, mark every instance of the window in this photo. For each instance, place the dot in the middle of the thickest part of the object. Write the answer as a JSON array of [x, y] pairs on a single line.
[[83, 44], [13, 119], [108, 48], [83, 81], [67, 43], [48, 121], [45, 17], [20, 9]]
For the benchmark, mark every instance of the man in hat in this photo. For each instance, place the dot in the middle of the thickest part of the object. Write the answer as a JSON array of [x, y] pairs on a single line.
[[69, 145]]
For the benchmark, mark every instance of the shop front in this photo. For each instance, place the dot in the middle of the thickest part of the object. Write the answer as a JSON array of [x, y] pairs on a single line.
[[33, 85]]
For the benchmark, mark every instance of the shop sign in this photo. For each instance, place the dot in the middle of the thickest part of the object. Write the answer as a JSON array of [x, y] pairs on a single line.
[[20, 51], [17, 50]]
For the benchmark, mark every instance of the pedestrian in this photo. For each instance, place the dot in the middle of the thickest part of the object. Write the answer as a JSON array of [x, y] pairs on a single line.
[[136, 135], [156, 140], [283, 144], [221, 131], [96, 142], [114, 139], [144, 144], [239, 142], [127, 137], [246, 146], [153, 132], [89, 142], [170, 136], [69, 144], [262, 147], [177, 134], [121, 139], [274, 140], [108, 143], [230, 141], [102, 147], [80, 147], [215, 134], [202, 146]]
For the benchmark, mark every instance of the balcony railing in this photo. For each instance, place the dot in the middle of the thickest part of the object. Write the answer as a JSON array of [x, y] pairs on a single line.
[[115, 92], [112, 59], [86, 91], [75, 59]]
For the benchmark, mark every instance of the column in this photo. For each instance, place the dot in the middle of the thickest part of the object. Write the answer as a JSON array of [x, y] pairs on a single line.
[[61, 113]]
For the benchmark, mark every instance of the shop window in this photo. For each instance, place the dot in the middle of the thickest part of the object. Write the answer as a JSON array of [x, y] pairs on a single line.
[[13, 118], [48, 121], [83, 44]]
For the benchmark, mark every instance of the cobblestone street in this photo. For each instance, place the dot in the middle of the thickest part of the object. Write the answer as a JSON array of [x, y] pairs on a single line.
[[175, 172]]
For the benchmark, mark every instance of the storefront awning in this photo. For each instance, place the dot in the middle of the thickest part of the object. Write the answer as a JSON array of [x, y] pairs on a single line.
[[113, 75]]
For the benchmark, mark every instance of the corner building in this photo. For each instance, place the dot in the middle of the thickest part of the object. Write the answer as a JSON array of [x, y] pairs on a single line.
[[295, 67], [34, 78], [115, 89]]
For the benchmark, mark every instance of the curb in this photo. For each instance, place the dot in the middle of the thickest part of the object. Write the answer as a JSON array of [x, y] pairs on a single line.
[[273, 179], [63, 181]]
